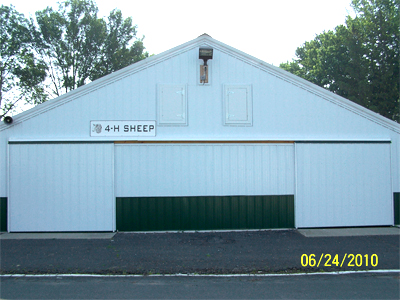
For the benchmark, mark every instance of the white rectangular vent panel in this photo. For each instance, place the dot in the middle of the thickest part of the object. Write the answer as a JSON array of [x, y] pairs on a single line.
[[172, 105], [238, 105]]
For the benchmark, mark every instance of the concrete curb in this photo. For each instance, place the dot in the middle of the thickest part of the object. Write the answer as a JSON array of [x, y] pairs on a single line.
[[360, 231], [56, 235], [203, 275], [314, 232]]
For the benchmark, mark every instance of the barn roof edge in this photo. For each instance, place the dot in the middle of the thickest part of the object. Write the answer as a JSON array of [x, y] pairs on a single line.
[[201, 40]]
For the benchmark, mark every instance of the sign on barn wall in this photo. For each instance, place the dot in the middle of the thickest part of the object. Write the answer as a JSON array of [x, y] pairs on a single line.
[[122, 128]]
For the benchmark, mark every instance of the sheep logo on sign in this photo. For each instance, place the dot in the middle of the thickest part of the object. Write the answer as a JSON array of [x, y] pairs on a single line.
[[96, 128]]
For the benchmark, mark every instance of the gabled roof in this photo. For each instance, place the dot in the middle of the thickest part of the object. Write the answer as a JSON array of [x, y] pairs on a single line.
[[202, 40]]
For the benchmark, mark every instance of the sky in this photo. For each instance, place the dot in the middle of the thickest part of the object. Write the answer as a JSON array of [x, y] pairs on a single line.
[[269, 30]]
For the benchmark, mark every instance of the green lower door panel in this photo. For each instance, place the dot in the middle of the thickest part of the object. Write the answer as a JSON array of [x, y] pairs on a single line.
[[396, 198], [204, 213], [3, 214]]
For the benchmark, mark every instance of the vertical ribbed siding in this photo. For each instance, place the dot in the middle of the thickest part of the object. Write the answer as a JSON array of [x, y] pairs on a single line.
[[343, 184], [204, 213], [162, 170], [396, 204], [61, 187], [3, 214], [132, 96]]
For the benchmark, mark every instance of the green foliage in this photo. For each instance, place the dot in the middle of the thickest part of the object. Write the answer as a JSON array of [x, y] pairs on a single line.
[[60, 51], [21, 73], [79, 47], [116, 52], [72, 38], [359, 61]]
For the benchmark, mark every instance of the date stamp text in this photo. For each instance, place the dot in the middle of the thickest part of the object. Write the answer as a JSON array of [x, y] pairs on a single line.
[[347, 260]]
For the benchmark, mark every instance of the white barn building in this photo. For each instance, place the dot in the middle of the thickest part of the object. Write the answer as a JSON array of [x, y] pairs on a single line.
[[168, 144]]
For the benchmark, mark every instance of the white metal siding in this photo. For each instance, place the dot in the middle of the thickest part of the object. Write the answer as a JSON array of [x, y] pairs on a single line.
[[204, 170], [61, 187], [282, 109], [343, 185]]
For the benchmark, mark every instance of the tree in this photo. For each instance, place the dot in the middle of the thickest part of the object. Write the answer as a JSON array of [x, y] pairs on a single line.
[[78, 46], [116, 52], [21, 73], [379, 26], [359, 60], [71, 43]]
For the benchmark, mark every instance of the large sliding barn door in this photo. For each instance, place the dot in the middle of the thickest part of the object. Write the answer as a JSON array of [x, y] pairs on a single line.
[[61, 187], [343, 184], [204, 186]]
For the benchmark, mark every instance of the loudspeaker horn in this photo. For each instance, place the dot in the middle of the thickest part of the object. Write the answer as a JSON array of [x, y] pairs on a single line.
[[8, 120]]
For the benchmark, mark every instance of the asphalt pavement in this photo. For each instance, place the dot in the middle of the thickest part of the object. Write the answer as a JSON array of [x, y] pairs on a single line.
[[243, 252], [318, 286]]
